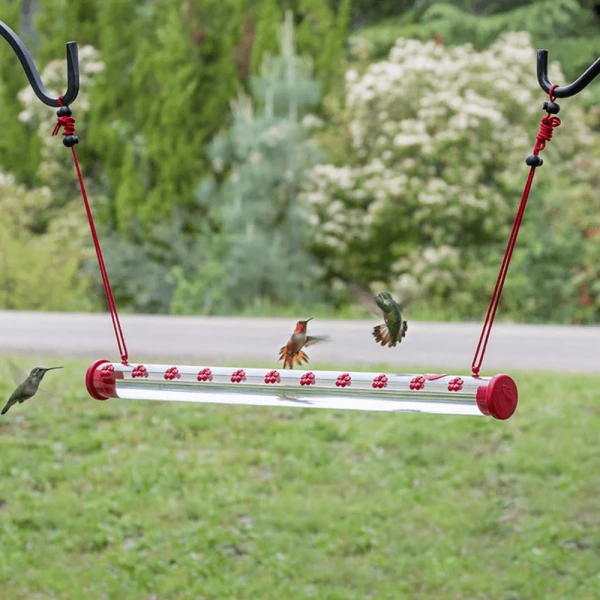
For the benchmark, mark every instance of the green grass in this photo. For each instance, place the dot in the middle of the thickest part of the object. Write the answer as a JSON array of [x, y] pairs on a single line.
[[145, 500]]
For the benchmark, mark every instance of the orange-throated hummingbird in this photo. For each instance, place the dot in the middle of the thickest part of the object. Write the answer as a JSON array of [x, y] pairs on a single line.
[[292, 353]]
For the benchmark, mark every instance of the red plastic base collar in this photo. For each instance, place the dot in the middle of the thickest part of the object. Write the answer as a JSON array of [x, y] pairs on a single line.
[[498, 398], [99, 387]]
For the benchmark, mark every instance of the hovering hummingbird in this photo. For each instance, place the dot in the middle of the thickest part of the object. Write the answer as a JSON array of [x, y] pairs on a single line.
[[394, 329], [292, 353], [28, 388]]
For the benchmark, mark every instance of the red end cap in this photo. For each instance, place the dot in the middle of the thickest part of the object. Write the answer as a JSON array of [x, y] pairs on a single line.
[[498, 398], [98, 387]]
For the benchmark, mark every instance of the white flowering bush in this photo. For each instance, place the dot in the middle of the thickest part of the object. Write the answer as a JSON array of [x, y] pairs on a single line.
[[438, 142]]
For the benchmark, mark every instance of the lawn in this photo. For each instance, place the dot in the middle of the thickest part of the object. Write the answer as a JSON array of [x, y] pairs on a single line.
[[163, 501]]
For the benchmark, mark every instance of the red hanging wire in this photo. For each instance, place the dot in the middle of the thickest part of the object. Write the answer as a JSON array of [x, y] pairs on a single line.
[[68, 123], [547, 125]]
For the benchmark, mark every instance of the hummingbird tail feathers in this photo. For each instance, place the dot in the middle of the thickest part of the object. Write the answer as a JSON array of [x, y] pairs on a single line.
[[6, 407], [382, 336], [290, 358]]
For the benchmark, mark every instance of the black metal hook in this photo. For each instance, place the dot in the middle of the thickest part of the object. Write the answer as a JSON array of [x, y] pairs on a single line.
[[34, 77], [567, 90]]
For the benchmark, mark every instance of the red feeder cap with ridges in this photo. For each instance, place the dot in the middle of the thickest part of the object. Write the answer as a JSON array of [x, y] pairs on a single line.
[[98, 387], [498, 398]]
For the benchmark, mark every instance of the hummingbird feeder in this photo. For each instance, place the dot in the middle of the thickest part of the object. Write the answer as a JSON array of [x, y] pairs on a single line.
[[442, 394]]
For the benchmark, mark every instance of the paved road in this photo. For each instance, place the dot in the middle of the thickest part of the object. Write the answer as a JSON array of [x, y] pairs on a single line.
[[213, 340]]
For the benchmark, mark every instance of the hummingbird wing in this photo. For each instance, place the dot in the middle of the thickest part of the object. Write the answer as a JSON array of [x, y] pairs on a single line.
[[362, 295], [407, 298], [45, 393], [315, 339], [17, 374]]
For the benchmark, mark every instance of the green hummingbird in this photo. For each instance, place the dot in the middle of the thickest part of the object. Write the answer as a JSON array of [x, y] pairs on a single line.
[[394, 329], [28, 388]]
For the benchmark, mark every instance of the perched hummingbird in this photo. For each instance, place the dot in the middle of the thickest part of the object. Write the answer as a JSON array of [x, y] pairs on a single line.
[[394, 329], [291, 353], [28, 388]]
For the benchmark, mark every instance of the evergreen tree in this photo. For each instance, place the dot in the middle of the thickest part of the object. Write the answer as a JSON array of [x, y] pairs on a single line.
[[114, 124], [264, 156]]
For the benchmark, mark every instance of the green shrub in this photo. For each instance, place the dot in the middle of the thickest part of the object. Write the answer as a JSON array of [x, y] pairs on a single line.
[[261, 162], [39, 270]]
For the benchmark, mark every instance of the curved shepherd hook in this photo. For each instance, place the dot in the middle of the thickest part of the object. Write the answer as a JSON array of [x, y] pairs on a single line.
[[567, 90], [34, 77]]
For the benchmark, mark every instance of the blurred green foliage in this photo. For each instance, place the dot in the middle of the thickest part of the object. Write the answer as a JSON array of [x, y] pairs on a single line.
[[199, 212], [568, 28], [424, 199], [40, 253]]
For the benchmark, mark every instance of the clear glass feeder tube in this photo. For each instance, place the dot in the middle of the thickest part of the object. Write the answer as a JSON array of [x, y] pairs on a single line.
[[393, 392]]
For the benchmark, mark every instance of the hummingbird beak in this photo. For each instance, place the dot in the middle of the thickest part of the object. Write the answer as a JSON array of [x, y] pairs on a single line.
[[51, 368], [307, 320]]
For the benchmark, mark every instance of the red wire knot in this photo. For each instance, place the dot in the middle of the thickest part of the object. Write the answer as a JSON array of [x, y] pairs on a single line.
[[67, 122], [547, 125]]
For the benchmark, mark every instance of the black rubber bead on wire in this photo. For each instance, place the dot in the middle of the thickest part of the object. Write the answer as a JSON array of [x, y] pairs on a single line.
[[551, 107], [534, 161], [64, 111], [70, 140]]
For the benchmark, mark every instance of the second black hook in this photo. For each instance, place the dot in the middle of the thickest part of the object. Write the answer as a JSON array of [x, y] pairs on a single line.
[[565, 91]]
